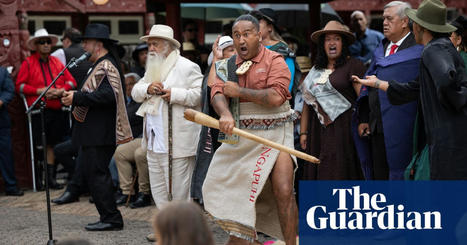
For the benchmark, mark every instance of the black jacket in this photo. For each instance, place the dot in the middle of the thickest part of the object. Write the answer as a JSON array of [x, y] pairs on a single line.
[[7, 92], [138, 70], [99, 126], [442, 89], [136, 122]]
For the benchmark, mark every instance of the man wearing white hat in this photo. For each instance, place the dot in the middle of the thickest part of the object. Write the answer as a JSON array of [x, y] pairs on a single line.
[[35, 74], [171, 84]]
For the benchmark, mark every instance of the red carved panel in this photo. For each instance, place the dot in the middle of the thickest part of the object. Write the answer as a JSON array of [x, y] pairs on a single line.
[[117, 6], [74, 6], [8, 15], [20, 142], [55, 6], [12, 55]]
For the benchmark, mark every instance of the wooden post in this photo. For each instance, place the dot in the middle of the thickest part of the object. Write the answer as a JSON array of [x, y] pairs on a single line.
[[314, 7], [174, 18]]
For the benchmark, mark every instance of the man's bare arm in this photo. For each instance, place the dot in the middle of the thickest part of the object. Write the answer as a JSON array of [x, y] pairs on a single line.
[[267, 97], [221, 106]]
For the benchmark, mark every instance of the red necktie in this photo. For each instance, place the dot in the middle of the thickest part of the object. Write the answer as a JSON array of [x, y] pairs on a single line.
[[393, 49]]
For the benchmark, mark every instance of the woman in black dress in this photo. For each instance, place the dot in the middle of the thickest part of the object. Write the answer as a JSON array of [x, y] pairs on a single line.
[[329, 94]]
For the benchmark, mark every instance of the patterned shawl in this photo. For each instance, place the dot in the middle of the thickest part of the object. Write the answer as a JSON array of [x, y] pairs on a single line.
[[103, 69], [326, 101]]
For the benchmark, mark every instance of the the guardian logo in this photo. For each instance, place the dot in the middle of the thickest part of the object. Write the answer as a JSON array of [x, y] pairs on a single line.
[[368, 213]]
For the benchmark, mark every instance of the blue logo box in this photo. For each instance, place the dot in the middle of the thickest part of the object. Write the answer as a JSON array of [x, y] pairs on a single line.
[[383, 212]]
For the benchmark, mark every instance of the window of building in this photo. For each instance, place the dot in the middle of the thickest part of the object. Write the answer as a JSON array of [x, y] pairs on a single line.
[[125, 29], [53, 24], [128, 27]]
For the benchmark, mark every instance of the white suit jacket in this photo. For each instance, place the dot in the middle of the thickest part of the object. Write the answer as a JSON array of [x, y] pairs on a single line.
[[185, 81]]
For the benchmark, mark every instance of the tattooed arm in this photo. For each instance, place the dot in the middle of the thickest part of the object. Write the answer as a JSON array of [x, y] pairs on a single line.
[[267, 97]]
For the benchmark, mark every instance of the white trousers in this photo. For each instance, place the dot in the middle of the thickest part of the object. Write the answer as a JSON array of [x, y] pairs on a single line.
[[182, 169]]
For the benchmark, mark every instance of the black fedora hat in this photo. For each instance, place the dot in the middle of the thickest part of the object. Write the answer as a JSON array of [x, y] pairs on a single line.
[[267, 14], [139, 48], [460, 23], [97, 31]]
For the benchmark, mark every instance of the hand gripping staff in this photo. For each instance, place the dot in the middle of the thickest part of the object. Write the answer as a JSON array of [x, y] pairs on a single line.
[[205, 120]]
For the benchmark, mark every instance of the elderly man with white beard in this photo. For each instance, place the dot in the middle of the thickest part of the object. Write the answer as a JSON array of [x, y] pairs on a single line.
[[170, 85]]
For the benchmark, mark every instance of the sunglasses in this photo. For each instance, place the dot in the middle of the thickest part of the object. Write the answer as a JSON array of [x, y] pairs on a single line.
[[192, 30], [44, 41]]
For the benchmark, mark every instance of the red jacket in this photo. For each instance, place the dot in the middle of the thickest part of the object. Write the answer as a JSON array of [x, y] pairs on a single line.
[[31, 77]]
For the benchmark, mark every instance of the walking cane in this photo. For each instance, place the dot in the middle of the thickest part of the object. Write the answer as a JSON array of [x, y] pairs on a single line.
[[170, 152], [132, 189]]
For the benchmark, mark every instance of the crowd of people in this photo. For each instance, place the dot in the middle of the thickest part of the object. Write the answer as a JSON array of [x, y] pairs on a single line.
[[370, 106]]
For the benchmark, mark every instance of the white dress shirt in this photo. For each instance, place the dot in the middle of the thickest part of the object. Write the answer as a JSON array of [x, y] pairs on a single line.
[[388, 49]]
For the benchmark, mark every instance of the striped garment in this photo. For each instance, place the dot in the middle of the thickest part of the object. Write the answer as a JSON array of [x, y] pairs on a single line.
[[103, 69]]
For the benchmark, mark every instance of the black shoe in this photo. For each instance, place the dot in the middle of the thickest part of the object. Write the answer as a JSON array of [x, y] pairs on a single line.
[[94, 223], [101, 226], [66, 197], [121, 200], [142, 200], [17, 192], [91, 200]]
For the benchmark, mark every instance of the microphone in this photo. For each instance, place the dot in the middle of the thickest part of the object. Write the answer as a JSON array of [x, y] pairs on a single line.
[[82, 58]]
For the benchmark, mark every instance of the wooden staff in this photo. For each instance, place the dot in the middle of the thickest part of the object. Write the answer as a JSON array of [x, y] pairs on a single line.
[[205, 120], [170, 155]]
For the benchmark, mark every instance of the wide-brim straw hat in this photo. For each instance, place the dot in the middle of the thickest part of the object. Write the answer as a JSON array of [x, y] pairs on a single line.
[[161, 31], [431, 14], [98, 31], [41, 33], [188, 46], [333, 27]]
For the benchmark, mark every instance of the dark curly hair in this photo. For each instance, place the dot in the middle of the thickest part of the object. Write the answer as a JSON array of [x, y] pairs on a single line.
[[321, 60]]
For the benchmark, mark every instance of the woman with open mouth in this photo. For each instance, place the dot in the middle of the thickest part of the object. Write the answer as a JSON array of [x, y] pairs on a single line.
[[329, 93]]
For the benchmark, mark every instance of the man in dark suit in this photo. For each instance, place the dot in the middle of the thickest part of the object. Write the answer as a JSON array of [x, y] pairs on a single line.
[[7, 169], [64, 152], [101, 123], [389, 127]]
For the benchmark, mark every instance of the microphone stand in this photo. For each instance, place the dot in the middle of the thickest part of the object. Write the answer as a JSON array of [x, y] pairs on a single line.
[[41, 101]]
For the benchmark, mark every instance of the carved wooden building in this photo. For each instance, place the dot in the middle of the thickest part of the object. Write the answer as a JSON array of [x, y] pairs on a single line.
[[19, 18]]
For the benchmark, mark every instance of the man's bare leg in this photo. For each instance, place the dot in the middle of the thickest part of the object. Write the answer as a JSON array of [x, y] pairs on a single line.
[[282, 186], [50, 154]]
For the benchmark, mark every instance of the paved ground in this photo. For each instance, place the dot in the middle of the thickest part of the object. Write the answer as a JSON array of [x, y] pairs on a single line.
[[23, 220]]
